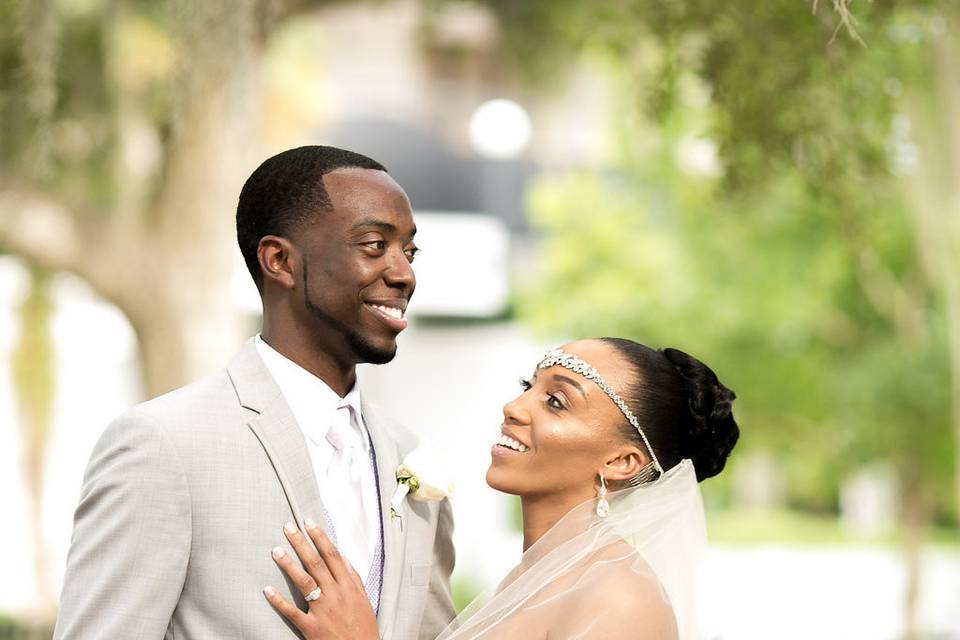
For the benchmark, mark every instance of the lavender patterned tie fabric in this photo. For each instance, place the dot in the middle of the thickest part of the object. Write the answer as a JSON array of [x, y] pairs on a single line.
[[373, 583]]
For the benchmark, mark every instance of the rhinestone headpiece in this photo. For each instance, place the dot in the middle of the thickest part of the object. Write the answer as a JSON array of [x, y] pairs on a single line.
[[558, 357]]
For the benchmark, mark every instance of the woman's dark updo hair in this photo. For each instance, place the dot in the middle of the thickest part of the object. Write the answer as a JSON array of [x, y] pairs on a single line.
[[682, 407]]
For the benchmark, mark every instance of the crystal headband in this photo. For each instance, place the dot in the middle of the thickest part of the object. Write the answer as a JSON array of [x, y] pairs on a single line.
[[558, 357]]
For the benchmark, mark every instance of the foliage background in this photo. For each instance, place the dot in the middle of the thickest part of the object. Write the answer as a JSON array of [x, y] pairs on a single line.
[[779, 196]]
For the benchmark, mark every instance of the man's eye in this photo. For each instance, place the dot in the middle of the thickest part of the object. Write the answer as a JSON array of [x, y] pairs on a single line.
[[525, 384], [379, 245], [412, 253]]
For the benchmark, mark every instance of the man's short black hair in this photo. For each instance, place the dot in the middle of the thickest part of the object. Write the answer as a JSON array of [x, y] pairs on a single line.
[[285, 191]]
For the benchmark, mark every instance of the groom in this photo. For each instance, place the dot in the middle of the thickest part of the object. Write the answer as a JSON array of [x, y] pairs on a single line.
[[186, 495]]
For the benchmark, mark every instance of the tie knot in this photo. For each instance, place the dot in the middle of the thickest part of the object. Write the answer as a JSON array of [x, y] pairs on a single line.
[[342, 434]]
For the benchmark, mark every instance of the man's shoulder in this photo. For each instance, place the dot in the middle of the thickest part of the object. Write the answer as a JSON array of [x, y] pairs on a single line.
[[207, 394], [209, 400]]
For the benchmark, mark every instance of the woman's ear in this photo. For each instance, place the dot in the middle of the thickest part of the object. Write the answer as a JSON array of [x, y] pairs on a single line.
[[277, 256], [626, 464]]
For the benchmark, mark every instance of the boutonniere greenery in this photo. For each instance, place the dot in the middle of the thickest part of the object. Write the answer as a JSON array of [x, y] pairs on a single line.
[[422, 477]]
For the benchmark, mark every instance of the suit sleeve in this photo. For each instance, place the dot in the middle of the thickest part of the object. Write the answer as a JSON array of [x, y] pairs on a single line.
[[439, 609], [131, 538]]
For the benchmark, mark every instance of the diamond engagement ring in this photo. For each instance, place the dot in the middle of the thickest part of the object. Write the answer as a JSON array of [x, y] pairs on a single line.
[[313, 595]]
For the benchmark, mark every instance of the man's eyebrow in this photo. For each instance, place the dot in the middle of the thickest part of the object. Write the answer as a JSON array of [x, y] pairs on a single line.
[[377, 223], [570, 381], [374, 222]]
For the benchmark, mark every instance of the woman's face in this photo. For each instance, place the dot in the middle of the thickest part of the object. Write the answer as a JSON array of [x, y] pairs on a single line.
[[568, 430]]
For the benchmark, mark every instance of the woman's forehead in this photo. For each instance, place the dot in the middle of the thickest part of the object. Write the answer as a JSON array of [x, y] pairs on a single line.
[[605, 358]]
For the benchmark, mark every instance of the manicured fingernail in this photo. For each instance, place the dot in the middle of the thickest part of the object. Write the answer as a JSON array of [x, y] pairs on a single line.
[[269, 592], [278, 552], [289, 528], [310, 524]]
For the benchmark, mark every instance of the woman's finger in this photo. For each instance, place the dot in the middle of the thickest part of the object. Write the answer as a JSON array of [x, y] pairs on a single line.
[[304, 582], [338, 566], [356, 578], [290, 612], [312, 562]]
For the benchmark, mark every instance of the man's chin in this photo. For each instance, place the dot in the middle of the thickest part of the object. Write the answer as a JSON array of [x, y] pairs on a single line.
[[371, 353], [380, 357]]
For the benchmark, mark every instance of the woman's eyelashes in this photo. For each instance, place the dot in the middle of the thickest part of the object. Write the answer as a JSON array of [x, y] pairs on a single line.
[[552, 401]]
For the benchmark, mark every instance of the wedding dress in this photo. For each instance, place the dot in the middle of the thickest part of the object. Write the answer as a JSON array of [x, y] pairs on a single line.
[[628, 575]]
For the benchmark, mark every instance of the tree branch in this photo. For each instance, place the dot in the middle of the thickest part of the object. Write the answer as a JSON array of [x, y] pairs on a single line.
[[54, 236], [39, 42], [899, 302]]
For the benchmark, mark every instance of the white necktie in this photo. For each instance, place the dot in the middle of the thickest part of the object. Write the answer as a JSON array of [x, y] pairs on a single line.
[[345, 489]]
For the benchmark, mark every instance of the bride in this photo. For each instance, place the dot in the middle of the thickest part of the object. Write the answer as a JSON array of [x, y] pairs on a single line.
[[605, 446]]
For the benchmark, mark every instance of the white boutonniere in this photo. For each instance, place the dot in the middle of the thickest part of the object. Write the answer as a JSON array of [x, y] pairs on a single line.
[[423, 477]]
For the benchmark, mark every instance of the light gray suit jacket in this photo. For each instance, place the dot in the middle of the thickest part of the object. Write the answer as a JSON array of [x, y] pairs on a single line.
[[185, 496]]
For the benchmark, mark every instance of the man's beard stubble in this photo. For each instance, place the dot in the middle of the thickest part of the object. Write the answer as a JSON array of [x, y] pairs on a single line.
[[362, 349]]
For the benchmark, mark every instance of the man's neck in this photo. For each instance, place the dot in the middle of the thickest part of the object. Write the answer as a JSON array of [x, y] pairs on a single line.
[[340, 377]]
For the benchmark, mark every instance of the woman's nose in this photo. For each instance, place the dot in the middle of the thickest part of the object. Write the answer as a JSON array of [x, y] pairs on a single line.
[[515, 411]]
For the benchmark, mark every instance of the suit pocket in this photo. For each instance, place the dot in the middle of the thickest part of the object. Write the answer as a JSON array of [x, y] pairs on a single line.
[[420, 574]]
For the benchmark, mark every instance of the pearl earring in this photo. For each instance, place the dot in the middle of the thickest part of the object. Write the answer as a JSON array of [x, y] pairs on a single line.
[[603, 507]]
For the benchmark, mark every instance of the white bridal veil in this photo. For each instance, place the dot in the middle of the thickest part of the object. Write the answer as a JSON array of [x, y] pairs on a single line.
[[629, 575]]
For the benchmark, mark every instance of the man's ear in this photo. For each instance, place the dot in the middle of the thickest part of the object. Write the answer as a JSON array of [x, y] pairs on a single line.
[[625, 464], [278, 258]]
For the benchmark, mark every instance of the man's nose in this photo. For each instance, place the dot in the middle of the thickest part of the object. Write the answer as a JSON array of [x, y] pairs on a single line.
[[399, 272]]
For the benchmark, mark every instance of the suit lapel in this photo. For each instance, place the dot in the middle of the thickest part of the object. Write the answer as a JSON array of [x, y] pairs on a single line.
[[275, 427], [273, 424], [388, 460]]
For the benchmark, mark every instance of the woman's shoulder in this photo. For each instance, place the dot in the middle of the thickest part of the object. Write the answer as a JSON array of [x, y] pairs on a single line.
[[618, 595]]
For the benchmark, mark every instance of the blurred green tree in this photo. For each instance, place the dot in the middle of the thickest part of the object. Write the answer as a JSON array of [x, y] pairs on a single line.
[[35, 391], [129, 126], [808, 123], [130, 123], [813, 258]]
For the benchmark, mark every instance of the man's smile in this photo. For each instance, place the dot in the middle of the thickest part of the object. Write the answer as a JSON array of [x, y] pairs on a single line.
[[390, 312]]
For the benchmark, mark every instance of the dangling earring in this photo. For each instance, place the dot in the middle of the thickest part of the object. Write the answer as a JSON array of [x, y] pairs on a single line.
[[603, 507]]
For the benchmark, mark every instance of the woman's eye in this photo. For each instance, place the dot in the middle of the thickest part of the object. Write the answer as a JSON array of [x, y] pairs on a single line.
[[525, 384], [554, 402]]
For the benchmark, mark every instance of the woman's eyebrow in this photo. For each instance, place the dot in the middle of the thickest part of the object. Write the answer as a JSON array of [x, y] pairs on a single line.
[[571, 382]]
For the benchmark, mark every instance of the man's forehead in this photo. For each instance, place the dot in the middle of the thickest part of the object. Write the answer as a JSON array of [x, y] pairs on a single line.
[[368, 199], [349, 180]]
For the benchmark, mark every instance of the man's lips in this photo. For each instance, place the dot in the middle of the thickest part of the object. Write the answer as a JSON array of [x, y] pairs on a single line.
[[390, 312]]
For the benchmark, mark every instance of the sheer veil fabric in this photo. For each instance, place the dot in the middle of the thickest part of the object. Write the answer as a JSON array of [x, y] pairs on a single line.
[[629, 575]]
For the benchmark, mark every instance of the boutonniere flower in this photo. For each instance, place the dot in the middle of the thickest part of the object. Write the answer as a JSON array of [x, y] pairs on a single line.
[[423, 477]]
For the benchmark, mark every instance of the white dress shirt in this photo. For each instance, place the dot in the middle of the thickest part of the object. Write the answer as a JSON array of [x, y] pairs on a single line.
[[345, 476]]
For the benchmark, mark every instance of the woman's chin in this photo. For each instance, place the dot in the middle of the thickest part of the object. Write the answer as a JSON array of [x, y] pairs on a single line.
[[496, 481]]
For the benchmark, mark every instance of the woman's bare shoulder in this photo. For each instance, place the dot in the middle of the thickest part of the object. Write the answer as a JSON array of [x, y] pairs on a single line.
[[617, 595]]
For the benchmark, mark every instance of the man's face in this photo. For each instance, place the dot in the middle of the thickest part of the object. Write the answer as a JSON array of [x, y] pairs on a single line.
[[356, 273]]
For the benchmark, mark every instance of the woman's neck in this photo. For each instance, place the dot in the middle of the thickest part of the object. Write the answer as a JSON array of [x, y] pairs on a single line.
[[542, 512]]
